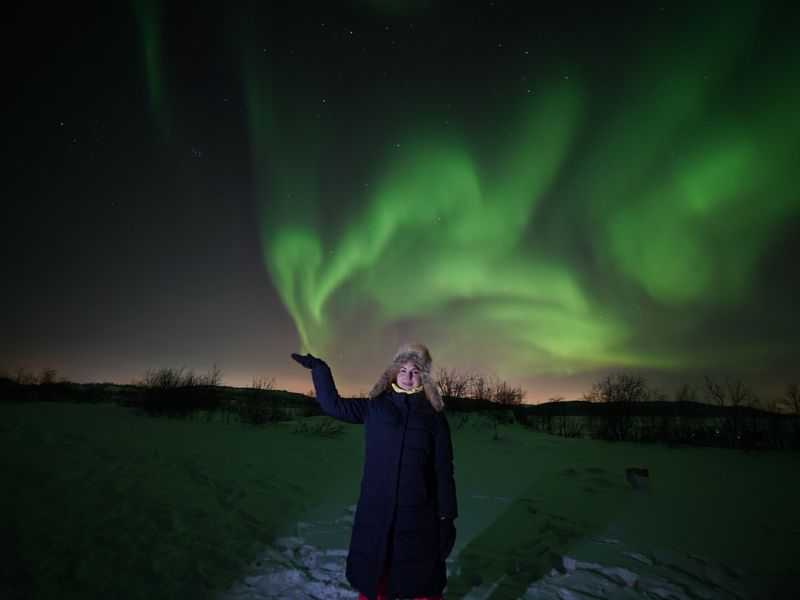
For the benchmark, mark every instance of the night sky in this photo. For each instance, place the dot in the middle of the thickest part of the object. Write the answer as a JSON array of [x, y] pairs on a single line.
[[544, 194]]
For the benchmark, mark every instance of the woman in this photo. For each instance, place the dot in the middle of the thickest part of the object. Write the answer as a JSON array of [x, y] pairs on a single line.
[[403, 528]]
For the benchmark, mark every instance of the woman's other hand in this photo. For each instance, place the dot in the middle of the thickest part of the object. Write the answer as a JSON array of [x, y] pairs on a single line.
[[307, 360]]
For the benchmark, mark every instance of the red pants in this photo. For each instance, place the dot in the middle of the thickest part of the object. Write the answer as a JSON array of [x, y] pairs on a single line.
[[382, 591]]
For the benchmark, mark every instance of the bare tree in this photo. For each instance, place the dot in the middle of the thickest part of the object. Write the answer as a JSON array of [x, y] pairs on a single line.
[[773, 407], [24, 377], [735, 394], [552, 409], [165, 378], [714, 391], [686, 393], [452, 384], [503, 393], [792, 398], [621, 387], [256, 408], [263, 384], [213, 377], [755, 436], [48, 377], [480, 388], [620, 392], [739, 394]]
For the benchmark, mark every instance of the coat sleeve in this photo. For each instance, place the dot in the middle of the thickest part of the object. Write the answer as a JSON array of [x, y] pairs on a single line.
[[445, 480], [350, 411]]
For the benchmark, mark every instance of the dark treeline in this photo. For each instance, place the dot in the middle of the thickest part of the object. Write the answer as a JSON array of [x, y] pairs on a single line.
[[620, 407], [175, 393], [624, 407]]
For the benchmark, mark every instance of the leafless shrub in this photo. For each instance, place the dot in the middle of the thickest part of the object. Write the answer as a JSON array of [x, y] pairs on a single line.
[[620, 391], [48, 377], [212, 378], [260, 410], [715, 392], [570, 427], [263, 384], [686, 393], [732, 393], [480, 388], [503, 393], [324, 427], [488, 389], [180, 393], [741, 395], [774, 418], [621, 388], [24, 377], [165, 378], [551, 423], [452, 383], [792, 398], [170, 378]]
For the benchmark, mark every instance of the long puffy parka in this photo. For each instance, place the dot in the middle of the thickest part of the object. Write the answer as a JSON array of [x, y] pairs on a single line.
[[407, 482]]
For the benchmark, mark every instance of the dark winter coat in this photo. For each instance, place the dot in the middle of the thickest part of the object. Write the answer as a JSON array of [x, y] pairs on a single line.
[[407, 485]]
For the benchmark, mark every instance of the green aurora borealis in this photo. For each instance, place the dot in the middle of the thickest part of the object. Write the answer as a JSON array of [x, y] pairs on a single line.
[[589, 221], [148, 18]]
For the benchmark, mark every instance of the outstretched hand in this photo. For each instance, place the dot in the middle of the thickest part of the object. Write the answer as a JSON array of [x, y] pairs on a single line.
[[307, 360]]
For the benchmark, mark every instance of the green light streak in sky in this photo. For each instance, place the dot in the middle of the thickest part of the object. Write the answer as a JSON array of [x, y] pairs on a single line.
[[462, 235], [148, 17], [676, 192], [683, 189], [287, 186], [698, 237]]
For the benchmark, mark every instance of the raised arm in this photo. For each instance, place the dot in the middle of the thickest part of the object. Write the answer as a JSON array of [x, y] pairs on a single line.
[[349, 411], [445, 480]]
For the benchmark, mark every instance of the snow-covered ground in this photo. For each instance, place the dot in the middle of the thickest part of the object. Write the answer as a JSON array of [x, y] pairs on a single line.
[[294, 567], [550, 518], [98, 502]]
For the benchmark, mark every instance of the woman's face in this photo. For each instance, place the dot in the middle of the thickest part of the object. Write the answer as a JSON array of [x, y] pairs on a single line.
[[409, 376]]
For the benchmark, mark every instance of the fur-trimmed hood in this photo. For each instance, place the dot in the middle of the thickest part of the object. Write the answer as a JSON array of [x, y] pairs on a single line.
[[421, 357]]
